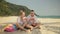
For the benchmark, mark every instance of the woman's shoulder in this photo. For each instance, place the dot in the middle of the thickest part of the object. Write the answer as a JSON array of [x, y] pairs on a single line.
[[24, 17], [18, 17]]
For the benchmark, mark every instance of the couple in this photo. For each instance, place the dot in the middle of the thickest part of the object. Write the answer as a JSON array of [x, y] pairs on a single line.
[[28, 22]]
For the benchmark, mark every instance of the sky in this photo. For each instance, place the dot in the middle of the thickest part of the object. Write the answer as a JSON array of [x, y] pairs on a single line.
[[41, 7]]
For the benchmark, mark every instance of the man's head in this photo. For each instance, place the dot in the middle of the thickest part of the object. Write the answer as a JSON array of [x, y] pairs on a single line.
[[32, 13]]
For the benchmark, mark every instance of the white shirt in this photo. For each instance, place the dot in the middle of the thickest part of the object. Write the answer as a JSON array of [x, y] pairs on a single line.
[[30, 22], [20, 21]]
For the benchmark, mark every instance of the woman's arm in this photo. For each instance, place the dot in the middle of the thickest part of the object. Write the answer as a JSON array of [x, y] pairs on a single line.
[[25, 21]]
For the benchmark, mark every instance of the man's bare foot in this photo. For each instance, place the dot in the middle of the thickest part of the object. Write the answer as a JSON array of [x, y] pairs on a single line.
[[31, 28], [37, 27]]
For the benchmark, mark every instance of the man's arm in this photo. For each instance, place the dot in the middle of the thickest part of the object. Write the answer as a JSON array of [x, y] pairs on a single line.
[[25, 22]]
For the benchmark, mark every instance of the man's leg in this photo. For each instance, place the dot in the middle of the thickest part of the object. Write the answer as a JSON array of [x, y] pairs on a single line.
[[36, 25]]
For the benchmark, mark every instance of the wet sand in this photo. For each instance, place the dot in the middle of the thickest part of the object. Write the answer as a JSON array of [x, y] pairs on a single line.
[[50, 26]]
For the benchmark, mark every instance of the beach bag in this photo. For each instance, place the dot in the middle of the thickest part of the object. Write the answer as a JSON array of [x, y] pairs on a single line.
[[9, 28]]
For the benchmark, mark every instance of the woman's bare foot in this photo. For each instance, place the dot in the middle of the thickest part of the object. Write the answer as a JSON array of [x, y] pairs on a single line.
[[27, 30]]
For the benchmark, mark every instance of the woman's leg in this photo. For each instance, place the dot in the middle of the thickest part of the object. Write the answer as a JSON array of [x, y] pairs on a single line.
[[20, 27], [29, 27]]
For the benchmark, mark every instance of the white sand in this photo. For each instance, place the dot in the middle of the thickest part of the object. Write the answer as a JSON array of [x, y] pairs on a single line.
[[13, 19], [48, 20]]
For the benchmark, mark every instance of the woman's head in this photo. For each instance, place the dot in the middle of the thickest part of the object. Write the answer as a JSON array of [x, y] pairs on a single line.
[[22, 13]]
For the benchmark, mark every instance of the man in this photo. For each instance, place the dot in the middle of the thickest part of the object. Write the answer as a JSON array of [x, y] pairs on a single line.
[[32, 20]]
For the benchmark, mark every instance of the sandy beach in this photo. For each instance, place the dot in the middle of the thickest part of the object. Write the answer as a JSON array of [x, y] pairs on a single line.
[[50, 25], [14, 19]]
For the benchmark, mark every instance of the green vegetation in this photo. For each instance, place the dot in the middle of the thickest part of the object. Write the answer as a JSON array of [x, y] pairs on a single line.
[[9, 9]]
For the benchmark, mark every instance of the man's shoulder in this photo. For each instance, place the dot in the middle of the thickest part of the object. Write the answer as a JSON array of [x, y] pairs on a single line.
[[35, 16]]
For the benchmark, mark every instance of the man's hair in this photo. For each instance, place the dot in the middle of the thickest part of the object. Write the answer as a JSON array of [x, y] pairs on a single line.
[[32, 10]]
